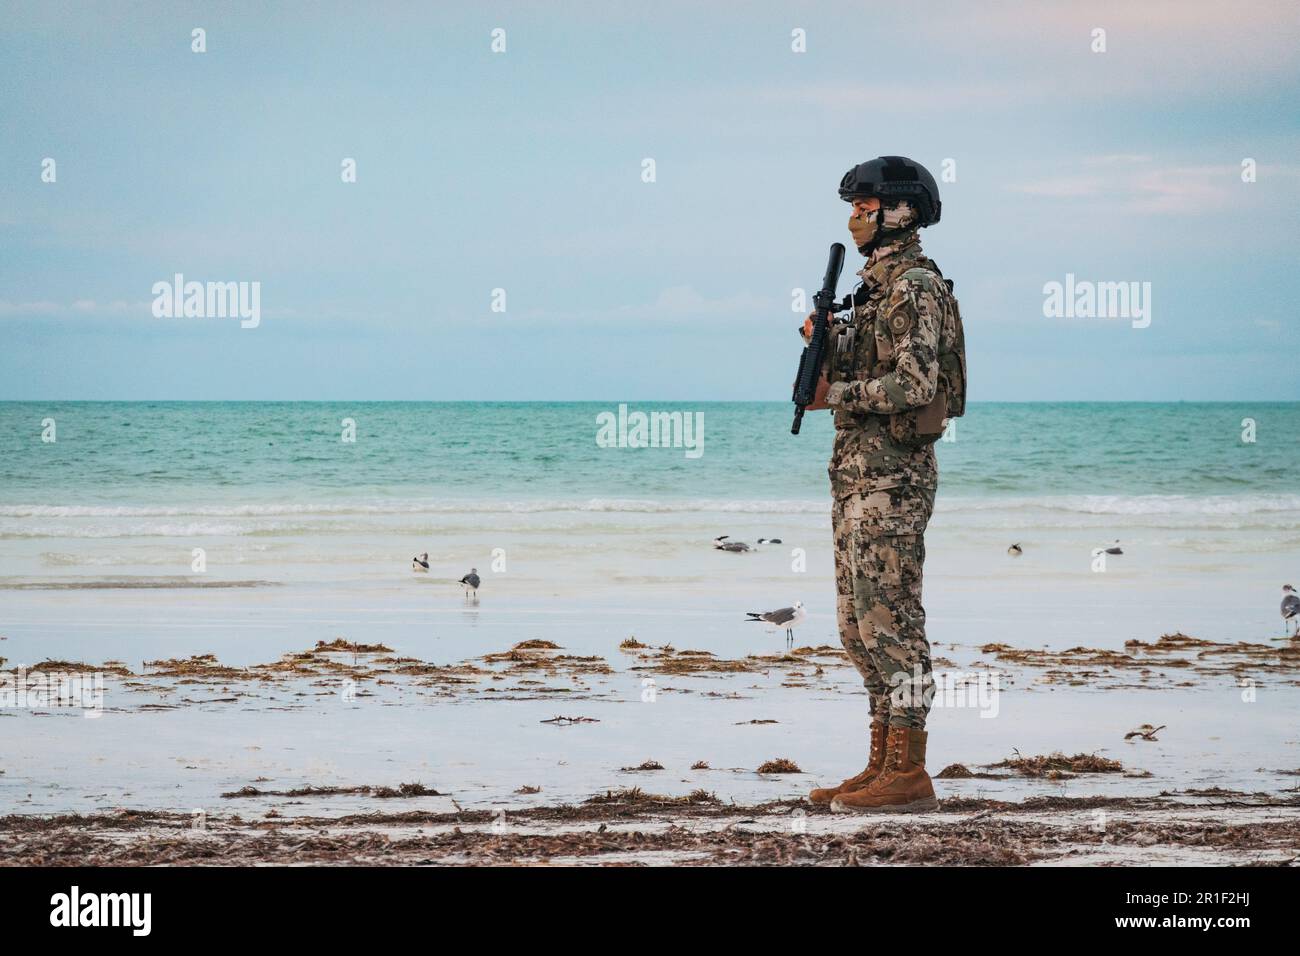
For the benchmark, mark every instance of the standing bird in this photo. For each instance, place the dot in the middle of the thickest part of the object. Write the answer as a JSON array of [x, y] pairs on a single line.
[[1015, 550], [420, 562], [786, 617], [722, 544], [1290, 606], [471, 582]]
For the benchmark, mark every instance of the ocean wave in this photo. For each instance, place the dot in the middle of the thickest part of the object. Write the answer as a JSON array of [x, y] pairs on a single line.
[[131, 584], [1135, 505], [191, 529], [485, 506]]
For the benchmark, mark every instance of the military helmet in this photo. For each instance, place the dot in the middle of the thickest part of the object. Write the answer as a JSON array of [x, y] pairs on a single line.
[[891, 178]]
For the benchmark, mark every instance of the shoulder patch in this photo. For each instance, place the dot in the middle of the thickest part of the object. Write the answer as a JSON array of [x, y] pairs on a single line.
[[923, 277], [900, 323]]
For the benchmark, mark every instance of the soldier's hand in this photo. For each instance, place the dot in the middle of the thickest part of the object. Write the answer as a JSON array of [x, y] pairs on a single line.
[[807, 328], [819, 398]]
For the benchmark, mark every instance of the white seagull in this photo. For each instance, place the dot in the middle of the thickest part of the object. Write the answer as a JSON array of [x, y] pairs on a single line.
[[722, 544], [786, 617], [420, 562], [1290, 606], [471, 582]]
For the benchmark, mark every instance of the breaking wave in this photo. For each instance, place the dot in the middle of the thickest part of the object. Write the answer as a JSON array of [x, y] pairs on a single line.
[[1210, 505]]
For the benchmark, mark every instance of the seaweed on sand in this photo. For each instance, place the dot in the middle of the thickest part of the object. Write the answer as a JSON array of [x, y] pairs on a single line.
[[637, 796], [1057, 766], [779, 765], [402, 790], [669, 660], [205, 666], [1082, 665], [959, 771], [405, 790], [76, 667], [538, 655], [343, 645], [979, 842]]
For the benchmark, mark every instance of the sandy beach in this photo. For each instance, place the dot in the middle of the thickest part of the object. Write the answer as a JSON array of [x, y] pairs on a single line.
[[345, 753], [305, 688]]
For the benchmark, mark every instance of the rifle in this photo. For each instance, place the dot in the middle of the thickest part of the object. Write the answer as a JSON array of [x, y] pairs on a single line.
[[814, 353]]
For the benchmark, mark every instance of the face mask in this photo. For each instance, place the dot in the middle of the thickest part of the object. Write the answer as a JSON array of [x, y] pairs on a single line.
[[864, 230], [869, 230]]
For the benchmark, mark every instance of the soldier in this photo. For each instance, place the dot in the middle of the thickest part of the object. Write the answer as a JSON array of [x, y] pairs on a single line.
[[896, 372]]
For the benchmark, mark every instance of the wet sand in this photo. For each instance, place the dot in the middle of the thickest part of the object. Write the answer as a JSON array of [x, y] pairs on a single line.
[[613, 784], [640, 829]]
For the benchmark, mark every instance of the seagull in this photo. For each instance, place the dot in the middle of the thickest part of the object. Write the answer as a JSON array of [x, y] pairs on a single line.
[[769, 540], [1015, 550], [420, 562], [786, 617], [1290, 606], [471, 583], [722, 544], [1116, 549]]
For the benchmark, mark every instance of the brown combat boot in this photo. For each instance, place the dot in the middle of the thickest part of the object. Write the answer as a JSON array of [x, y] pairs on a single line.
[[823, 795], [903, 785]]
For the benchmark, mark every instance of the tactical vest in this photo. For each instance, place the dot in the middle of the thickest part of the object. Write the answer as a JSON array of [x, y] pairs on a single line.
[[915, 427]]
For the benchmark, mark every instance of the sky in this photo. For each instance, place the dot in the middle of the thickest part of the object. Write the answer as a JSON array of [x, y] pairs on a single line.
[[523, 171]]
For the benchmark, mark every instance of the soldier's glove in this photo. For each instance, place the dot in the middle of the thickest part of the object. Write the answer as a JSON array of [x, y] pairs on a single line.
[[819, 397], [805, 330]]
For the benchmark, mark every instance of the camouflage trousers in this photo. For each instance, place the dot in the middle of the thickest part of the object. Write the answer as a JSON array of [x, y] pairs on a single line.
[[879, 554]]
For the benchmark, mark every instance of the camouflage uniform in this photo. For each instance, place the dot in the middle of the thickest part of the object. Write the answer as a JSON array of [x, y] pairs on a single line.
[[882, 480]]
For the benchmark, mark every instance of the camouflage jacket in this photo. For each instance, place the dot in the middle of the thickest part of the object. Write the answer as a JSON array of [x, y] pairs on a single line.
[[883, 364]]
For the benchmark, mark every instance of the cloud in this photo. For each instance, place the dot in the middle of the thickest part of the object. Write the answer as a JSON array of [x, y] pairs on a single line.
[[85, 307], [1010, 55], [1182, 189], [1179, 46], [93, 309], [876, 98], [1117, 159], [1143, 184], [671, 305], [1063, 187]]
